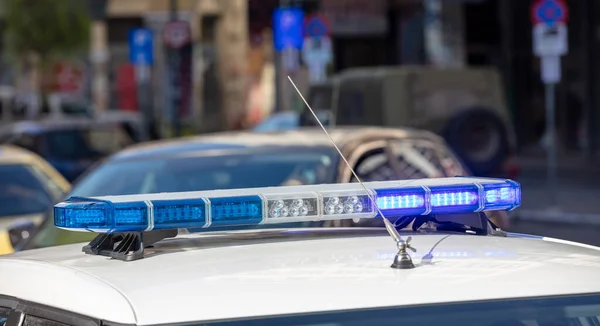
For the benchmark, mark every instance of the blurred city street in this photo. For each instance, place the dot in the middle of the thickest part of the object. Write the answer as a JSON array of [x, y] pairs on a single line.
[[575, 214]]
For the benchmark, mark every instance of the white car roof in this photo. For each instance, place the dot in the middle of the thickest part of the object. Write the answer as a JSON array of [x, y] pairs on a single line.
[[230, 275]]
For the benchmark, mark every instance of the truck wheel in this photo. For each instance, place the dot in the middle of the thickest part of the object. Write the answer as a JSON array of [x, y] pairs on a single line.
[[479, 137]]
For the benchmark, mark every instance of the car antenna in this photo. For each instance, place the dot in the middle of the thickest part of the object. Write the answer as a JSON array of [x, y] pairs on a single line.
[[402, 259]]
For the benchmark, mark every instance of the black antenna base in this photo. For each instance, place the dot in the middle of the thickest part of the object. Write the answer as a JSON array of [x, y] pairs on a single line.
[[127, 246]]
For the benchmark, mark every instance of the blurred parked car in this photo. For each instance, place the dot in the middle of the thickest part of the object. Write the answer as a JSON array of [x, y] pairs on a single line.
[[247, 160], [73, 144], [28, 187]]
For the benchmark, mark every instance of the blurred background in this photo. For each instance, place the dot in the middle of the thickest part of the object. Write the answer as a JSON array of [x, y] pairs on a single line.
[[97, 76]]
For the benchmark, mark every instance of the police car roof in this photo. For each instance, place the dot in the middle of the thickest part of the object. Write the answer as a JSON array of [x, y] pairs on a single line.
[[228, 275], [305, 137]]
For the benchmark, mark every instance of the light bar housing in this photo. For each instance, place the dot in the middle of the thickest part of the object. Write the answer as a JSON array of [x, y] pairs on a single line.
[[274, 205]]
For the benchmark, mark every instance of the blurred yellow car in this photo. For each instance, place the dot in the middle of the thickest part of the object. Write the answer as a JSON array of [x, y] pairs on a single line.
[[5, 243], [30, 186]]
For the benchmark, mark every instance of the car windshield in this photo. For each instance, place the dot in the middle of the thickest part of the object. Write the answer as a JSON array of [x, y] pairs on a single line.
[[195, 173], [21, 192], [557, 311]]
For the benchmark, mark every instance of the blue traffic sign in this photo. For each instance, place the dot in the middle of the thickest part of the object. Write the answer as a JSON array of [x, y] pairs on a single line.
[[316, 26], [549, 11], [141, 46], [288, 28]]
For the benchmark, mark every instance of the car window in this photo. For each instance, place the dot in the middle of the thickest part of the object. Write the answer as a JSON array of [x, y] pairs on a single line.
[[193, 173], [434, 160], [21, 191], [68, 144], [404, 162], [360, 103], [55, 190], [353, 103], [561, 311], [28, 314], [374, 166], [176, 174], [4, 312], [109, 139], [30, 320], [28, 142]]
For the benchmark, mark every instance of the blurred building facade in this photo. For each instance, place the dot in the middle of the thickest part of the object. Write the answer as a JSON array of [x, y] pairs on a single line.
[[234, 67], [219, 45], [457, 33]]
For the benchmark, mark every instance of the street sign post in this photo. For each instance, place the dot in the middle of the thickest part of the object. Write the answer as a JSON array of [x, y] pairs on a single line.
[[177, 37], [549, 12], [317, 26], [177, 34], [317, 50], [141, 55], [287, 40], [287, 28], [317, 54], [141, 46], [550, 42], [290, 60]]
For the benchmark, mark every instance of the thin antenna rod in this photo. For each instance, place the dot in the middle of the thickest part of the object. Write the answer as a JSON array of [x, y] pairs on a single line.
[[388, 225]]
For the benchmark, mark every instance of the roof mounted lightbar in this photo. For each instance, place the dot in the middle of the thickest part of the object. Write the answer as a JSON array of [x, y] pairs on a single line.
[[115, 216]]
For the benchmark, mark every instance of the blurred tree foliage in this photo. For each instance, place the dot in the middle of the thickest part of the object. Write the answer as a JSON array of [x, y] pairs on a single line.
[[47, 29]]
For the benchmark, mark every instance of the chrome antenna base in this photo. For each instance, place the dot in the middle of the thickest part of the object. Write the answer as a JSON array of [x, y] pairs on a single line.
[[403, 259]]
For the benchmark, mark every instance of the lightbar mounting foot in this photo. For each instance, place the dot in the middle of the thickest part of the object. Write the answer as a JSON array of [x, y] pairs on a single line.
[[125, 246]]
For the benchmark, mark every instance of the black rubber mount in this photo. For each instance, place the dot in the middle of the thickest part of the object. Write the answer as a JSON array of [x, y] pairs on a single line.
[[126, 246]]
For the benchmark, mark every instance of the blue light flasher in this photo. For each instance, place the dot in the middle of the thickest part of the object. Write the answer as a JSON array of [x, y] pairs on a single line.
[[402, 201], [455, 199], [277, 205], [179, 213], [502, 197], [231, 211], [101, 216]]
